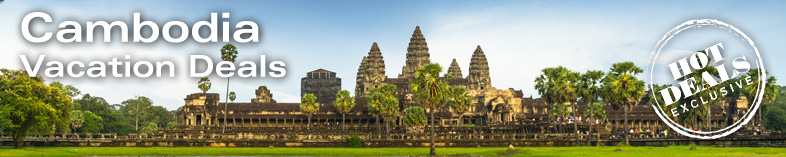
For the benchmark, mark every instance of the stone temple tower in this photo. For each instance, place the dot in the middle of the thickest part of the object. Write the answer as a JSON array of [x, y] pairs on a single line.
[[360, 76], [478, 77], [455, 70], [417, 55], [371, 73]]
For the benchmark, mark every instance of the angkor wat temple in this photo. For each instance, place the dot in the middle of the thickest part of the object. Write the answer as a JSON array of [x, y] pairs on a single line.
[[491, 106]]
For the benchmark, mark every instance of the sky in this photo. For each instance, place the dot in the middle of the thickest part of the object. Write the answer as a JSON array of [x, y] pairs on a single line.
[[519, 38]]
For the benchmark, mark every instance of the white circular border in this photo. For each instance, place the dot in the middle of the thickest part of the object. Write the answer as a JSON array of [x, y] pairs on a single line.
[[752, 109]]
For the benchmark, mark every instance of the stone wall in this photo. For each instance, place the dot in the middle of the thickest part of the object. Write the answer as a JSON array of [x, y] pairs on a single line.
[[398, 140]]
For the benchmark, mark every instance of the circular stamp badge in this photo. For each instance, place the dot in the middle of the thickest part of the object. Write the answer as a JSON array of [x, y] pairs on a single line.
[[700, 74]]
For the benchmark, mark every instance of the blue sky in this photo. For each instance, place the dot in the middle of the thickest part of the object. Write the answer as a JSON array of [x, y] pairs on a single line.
[[518, 37]]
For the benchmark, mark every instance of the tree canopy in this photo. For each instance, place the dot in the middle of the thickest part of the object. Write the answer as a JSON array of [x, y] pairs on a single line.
[[344, 104], [414, 116], [204, 84], [309, 107], [31, 106]]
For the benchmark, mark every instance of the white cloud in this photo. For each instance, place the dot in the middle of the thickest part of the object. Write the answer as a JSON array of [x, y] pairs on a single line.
[[284, 97]]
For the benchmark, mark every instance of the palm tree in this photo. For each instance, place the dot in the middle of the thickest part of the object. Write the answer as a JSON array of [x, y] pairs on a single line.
[[705, 89], [383, 103], [390, 111], [623, 88], [309, 107], [228, 53], [770, 91], [460, 102], [204, 84], [344, 104], [557, 86], [588, 90], [232, 96], [77, 120], [374, 100], [544, 85], [569, 89], [430, 91]]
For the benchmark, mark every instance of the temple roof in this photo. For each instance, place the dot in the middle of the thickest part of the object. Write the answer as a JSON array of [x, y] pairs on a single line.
[[321, 71]]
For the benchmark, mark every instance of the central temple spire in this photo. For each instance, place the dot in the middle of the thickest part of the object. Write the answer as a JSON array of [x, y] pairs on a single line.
[[417, 54]]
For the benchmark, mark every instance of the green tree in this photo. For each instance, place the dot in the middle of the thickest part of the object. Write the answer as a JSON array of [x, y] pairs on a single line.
[[309, 107], [460, 102], [389, 107], [204, 84], [76, 120], [415, 116], [115, 121], [344, 104], [414, 119], [70, 90], [382, 103], [149, 128], [374, 105], [770, 91], [623, 88], [93, 123], [232, 96], [431, 92], [558, 86], [589, 87], [548, 85], [706, 89], [170, 125], [158, 115], [94, 104], [596, 111], [561, 109], [774, 120], [229, 54], [570, 94], [137, 107], [30, 106], [775, 116], [375, 98]]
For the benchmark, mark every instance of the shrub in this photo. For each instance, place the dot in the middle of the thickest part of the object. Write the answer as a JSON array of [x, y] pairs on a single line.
[[622, 144], [415, 116], [354, 141]]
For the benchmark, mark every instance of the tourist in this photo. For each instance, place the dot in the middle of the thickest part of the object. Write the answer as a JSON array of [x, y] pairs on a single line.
[[666, 133], [759, 130]]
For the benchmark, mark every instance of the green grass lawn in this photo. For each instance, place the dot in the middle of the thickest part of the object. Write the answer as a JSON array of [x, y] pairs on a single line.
[[521, 151]]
